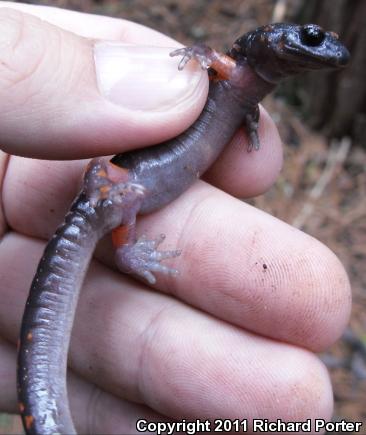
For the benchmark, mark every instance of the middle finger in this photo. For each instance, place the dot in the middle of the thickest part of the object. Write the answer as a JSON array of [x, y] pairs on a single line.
[[238, 263]]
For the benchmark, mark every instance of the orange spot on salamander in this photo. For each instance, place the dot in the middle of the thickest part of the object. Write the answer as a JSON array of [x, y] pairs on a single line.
[[224, 66], [29, 336], [116, 173], [102, 173], [21, 407], [281, 44], [104, 190], [120, 236], [28, 419]]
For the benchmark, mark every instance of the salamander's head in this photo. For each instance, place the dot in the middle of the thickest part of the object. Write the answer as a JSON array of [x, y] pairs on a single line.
[[278, 50]]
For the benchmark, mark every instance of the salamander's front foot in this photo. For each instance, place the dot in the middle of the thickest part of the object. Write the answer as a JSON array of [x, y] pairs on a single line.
[[251, 123], [221, 66], [142, 258], [201, 53]]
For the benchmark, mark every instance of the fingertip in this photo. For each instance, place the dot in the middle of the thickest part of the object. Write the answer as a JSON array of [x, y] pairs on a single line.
[[304, 382], [327, 307]]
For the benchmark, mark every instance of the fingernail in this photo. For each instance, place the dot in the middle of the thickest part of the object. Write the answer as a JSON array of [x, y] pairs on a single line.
[[142, 77]]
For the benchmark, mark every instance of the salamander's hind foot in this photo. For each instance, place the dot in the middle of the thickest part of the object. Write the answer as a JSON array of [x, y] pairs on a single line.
[[111, 194], [142, 258], [201, 53], [103, 180]]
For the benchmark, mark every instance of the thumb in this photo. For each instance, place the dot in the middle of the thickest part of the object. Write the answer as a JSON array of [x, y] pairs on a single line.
[[63, 96]]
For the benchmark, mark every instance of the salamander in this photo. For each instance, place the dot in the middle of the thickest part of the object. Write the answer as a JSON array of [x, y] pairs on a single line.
[[114, 192]]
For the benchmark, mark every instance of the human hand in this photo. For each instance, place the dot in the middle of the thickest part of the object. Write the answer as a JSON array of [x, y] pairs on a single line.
[[232, 335]]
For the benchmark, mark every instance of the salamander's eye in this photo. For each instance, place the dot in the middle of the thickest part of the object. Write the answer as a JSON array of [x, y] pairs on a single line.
[[312, 35]]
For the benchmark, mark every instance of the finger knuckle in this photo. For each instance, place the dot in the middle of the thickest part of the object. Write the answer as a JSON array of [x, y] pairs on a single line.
[[22, 47]]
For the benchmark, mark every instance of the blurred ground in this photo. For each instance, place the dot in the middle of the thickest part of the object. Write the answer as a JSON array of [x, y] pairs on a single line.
[[322, 187]]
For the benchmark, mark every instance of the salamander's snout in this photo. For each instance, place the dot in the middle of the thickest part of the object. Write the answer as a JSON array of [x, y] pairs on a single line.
[[343, 57]]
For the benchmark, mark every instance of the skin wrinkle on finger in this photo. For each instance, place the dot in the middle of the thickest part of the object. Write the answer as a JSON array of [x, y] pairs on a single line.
[[237, 376], [228, 373], [94, 26], [23, 52], [98, 411], [4, 159], [38, 193], [94, 410], [15, 40], [64, 78], [8, 400]]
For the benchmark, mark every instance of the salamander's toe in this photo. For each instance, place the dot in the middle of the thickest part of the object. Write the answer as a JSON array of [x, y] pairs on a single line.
[[201, 53], [143, 258]]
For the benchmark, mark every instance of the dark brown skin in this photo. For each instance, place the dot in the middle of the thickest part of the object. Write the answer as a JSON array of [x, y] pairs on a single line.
[[139, 182]]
